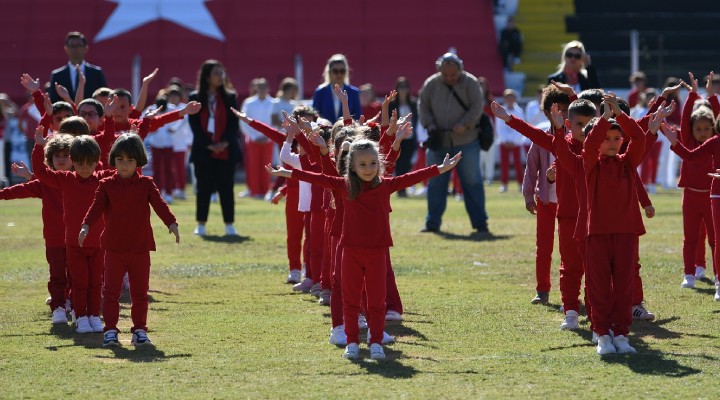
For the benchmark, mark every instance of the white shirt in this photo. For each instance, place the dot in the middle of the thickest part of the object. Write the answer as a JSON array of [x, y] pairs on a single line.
[[534, 113], [293, 160], [281, 105], [506, 134], [259, 110], [72, 73], [162, 138]]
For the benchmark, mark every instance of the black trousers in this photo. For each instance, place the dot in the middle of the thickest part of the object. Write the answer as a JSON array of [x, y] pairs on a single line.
[[215, 176]]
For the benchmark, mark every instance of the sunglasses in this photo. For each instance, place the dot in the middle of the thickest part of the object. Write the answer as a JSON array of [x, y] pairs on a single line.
[[338, 71], [572, 54], [88, 114]]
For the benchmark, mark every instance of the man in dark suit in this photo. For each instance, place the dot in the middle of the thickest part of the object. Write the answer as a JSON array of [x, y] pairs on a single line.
[[75, 47]]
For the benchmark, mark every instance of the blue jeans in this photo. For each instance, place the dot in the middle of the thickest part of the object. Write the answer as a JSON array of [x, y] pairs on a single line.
[[471, 180]]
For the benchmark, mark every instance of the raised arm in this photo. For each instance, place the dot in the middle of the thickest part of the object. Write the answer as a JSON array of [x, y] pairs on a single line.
[[686, 136], [536, 135], [343, 97], [25, 190], [142, 97], [271, 133], [636, 148], [530, 178], [42, 171]]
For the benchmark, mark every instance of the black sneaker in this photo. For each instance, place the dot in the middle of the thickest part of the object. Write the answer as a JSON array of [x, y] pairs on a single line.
[[111, 338], [540, 298], [429, 229]]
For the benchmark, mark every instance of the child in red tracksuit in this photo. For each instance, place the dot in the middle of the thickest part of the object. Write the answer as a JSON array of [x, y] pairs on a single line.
[[696, 128], [365, 234], [77, 188], [124, 199], [57, 156], [613, 222]]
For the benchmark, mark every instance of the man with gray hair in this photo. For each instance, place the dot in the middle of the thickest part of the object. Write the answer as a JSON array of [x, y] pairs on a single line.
[[450, 106]]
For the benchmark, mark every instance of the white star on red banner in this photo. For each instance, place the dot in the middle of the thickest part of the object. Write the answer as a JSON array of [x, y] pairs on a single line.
[[131, 14]]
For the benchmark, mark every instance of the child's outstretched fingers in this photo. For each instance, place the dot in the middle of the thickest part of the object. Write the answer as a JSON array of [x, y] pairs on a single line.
[[499, 111], [40, 135], [173, 228]]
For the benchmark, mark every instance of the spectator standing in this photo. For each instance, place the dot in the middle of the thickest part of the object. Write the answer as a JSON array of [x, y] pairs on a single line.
[[325, 101], [450, 106], [511, 44], [76, 48], [258, 149]]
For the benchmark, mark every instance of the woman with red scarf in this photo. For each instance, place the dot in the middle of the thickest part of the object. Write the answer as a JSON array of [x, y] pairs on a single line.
[[215, 148], [576, 68]]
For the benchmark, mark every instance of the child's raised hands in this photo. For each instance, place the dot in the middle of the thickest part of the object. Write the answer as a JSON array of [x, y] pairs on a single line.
[[708, 84], [564, 87], [156, 111], [449, 163], [316, 139], [654, 122], [670, 90], [558, 121], [499, 111], [39, 135], [693, 87], [393, 127], [191, 108], [81, 76], [47, 104], [146, 80], [173, 228], [21, 170], [29, 83], [110, 106], [243, 117], [670, 132], [340, 93], [278, 171], [389, 98], [62, 91]]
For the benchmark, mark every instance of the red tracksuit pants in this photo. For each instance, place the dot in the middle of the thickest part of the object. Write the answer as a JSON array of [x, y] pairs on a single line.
[[637, 295], [86, 271], [505, 153], [317, 244], [294, 225], [336, 297], [179, 169], [137, 266], [571, 265], [163, 171], [257, 156], [329, 250], [700, 252], [696, 211], [364, 268], [544, 240], [57, 284], [610, 278]]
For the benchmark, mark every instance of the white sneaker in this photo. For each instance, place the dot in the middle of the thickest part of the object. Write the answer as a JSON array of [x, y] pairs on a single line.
[[168, 198], [605, 345], [48, 300], [95, 323], [362, 322], [716, 281], [699, 272], [338, 336], [377, 352], [717, 294], [82, 325], [269, 195], [639, 313], [595, 338], [179, 194], [230, 230], [294, 276], [571, 321], [199, 230], [140, 338], [316, 289], [622, 344], [59, 316], [387, 338], [324, 297], [688, 282], [421, 191], [303, 286], [393, 316], [352, 351]]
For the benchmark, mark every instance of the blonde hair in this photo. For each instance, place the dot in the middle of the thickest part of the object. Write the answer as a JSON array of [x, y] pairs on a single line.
[[573, 44], [336, 58], [354, 182]]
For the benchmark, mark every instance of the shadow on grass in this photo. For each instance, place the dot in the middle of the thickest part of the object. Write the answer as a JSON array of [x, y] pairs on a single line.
[[141, 354], [657, 330], [388, 368], [399, 330], [225, 239], [705, 291], [473, 236], [648, 361]]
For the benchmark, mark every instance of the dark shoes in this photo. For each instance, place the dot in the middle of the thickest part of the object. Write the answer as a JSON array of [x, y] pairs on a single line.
[[430, 229], [540, 298]]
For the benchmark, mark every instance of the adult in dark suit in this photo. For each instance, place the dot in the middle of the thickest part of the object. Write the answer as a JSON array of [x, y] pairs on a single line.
[[576, 68], [76, 47], [215, 149], [324, 99]]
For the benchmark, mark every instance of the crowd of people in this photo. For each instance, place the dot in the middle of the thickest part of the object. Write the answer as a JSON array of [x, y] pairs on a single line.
[[342, 159]]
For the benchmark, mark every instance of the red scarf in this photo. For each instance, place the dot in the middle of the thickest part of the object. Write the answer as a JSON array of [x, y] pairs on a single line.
[[220, 124]]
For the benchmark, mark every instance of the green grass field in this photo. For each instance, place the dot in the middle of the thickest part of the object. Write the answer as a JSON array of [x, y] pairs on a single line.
[[226, 326]]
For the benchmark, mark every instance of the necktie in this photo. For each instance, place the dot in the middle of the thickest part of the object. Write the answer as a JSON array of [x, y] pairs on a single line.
[[76, 81]]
